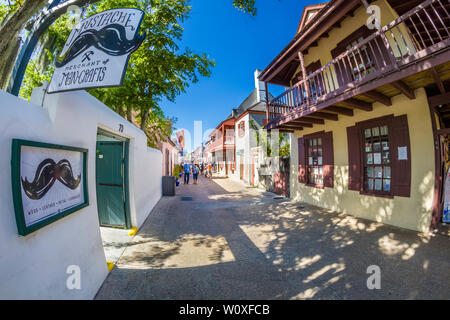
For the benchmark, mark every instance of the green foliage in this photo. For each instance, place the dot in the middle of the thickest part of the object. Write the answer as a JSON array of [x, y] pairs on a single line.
[[177, 170], [247, 6], [7, 8], [264, 140], [34, 78], [158, 70], [285, 150]]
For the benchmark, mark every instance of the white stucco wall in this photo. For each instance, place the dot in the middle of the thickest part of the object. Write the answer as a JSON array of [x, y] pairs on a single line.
[[34, 266], [245, 144]]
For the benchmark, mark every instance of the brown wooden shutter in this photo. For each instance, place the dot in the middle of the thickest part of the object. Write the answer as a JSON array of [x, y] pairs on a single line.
[[301, 161], [354, 159], [401, 169], [328, 160]]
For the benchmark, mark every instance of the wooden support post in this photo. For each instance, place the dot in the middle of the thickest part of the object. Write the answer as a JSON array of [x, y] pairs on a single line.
[[438, 80], [267, 102], [404, 88], [302, 65]]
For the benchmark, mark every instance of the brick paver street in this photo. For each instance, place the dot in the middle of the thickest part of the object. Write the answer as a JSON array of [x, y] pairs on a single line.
[[224, 240]]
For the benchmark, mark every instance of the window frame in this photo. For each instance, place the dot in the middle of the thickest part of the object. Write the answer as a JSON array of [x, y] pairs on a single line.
[[241, 128], [307, 138], [368, 124]]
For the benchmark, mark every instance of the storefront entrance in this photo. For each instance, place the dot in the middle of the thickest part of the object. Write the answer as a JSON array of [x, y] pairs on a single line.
[[111, 181], [440, 118]]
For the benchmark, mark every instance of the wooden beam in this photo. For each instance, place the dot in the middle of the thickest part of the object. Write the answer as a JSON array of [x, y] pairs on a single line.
[[438, 80], [443, 131], [301, 123], [311, 120], [403, 88], [444, 108], [379, 97], [359, 104], [324, 115], [439, 100], [341, 110], [286, 130], [289, 127]]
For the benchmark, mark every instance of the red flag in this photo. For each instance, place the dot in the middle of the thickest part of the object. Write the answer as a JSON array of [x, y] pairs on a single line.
[[180, 137]]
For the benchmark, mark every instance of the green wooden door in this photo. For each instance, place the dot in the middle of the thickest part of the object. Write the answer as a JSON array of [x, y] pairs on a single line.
[[110, 178]]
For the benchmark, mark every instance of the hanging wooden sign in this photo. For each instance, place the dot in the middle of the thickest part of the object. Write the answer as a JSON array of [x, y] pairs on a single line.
[[97, 51]]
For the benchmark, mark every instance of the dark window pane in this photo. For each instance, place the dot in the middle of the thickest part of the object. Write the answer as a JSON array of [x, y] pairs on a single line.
[[377, 147]]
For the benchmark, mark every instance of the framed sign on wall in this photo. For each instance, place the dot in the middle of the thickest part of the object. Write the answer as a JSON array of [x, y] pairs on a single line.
[[49, 182]]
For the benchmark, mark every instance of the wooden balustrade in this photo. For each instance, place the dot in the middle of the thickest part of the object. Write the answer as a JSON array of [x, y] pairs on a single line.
[[398, 43]]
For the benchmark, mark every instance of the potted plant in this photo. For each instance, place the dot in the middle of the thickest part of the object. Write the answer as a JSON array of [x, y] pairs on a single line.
[[177, 172]]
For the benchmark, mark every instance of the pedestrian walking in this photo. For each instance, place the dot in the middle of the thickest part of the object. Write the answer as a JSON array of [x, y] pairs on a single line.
[[209, 170], [195, 172], [187, 172]]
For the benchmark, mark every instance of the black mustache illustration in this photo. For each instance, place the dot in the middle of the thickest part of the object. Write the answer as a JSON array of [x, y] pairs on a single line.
[[46, 175], [111, 40]]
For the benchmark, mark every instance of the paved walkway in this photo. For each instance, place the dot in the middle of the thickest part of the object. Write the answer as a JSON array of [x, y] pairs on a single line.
[[223, 240]]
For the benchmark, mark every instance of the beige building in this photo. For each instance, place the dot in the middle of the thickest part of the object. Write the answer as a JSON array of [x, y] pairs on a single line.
[[366, 105]]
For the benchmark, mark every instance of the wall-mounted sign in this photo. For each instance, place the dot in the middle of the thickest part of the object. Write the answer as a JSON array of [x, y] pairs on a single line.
[[97, 51], [48, 182], [402, 153]]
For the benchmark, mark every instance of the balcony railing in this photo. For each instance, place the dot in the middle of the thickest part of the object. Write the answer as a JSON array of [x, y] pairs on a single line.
[[401, 42], [220, 142]]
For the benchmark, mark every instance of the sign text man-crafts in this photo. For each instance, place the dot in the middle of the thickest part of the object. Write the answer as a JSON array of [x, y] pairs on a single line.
[[97, 51]]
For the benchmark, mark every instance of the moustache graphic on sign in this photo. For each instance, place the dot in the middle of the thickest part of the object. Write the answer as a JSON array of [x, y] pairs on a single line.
[[47, 172], [110, 39]]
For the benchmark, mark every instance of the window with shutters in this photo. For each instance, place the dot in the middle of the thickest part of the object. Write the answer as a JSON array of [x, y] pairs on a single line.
[[316, 160], [241, 128], [379, 157]]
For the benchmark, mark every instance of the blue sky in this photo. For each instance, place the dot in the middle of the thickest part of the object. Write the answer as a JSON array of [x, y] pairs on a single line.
[[240, 44]]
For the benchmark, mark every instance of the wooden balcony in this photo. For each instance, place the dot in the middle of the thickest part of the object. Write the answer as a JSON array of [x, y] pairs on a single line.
[[221, 143], [418, 40]]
